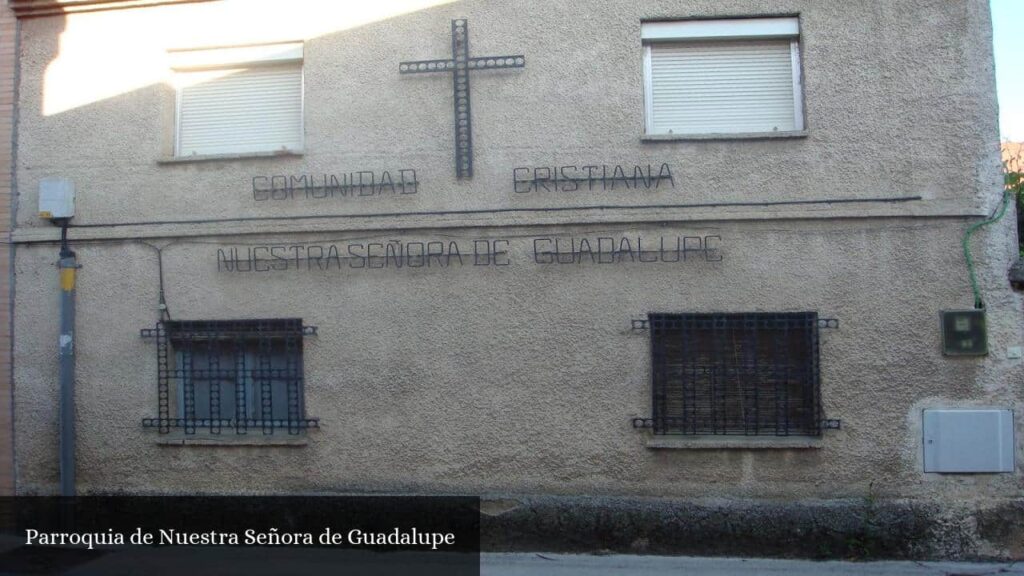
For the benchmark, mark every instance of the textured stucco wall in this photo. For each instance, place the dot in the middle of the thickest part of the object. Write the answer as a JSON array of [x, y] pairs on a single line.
[[895, 106], [523, 378]]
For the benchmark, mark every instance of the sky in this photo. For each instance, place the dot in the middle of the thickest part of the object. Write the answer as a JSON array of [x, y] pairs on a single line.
[[1007, 28]]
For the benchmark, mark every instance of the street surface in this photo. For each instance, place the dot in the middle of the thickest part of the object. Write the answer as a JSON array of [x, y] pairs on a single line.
[[532, 564]]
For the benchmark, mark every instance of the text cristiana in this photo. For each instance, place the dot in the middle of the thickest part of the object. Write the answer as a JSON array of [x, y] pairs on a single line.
[[591, 177]]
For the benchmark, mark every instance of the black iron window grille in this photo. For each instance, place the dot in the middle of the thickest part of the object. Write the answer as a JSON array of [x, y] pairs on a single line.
[[235, 374], [739, 374]]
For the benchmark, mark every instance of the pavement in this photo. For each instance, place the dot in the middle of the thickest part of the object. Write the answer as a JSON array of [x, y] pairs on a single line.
[[17, 559], [535, 564]]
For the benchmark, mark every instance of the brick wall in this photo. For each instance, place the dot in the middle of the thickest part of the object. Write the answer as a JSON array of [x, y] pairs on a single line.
[[8, 79]]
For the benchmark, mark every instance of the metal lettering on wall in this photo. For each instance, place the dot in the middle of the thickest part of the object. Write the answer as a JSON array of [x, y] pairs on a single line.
[[480, 252], [357, 184], [589, 177], [616, 250]]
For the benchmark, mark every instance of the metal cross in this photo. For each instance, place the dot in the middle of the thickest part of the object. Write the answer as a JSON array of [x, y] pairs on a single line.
[[460, 64]]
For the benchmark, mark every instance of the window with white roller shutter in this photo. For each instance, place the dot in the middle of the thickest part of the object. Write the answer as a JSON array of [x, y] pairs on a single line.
[[737, 76], [239, 100]]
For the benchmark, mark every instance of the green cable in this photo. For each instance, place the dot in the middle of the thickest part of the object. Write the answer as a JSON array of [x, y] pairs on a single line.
[[967, 247]]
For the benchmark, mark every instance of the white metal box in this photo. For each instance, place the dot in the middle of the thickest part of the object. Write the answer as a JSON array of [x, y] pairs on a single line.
[[56, 198], [968, 440]]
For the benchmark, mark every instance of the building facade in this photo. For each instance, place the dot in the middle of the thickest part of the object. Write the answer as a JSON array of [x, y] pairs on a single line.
[[688, 250]]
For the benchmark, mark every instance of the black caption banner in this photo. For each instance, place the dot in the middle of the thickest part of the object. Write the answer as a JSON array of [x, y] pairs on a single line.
[[251, 535]]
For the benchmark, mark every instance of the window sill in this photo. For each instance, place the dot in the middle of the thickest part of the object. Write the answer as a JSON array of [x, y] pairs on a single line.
[[723, 136], [733, 442], [230, 438], [222, 157]]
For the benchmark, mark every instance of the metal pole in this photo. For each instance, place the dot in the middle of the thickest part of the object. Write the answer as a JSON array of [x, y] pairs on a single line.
[[68, 267]]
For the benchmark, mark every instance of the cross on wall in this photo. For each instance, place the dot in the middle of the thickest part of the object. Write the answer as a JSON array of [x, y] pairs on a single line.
[[460, 65]]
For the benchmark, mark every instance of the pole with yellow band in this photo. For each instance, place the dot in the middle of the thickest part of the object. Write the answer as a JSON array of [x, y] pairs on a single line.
[[67, 266]]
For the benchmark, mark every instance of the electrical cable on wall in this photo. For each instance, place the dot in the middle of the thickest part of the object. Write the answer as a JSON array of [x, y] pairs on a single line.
[[165, 313], [490, 211], [978, 304]]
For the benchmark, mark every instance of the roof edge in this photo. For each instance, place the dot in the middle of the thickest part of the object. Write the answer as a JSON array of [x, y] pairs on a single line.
[[36, 8]]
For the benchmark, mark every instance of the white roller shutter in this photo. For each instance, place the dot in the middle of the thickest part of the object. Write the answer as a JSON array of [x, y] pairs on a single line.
[[721, 87], [256, 109]]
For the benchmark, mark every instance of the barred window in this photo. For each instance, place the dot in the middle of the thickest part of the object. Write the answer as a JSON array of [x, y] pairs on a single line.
[[236, 374], [744, 374]]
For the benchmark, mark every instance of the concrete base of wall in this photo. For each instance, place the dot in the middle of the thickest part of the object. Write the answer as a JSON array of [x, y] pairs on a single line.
[[835, 529]]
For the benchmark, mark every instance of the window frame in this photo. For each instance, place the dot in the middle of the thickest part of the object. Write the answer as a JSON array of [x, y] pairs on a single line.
[[251, 392], [666, 423], [244, 57], [281, 338], [723, 29]]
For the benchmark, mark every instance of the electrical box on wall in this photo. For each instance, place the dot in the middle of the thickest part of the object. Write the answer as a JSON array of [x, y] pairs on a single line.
[[968, 440], [964, 333], [56, 198]]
